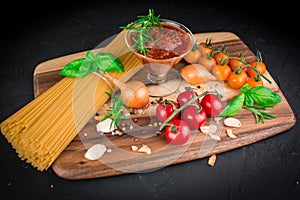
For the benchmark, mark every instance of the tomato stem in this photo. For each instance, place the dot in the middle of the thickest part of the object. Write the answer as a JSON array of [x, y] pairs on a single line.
[[259, 74], [195, 46], [190, 102]]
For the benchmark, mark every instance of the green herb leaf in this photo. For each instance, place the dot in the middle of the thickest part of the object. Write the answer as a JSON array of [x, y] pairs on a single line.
[[72, 69], [234, 106], [80, 68], [245, 88], [264, 96], [107, 62], [115, 110], [248, 100], [260, 115]]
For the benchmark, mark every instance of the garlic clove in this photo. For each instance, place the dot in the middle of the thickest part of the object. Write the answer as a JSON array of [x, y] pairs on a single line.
[[95, 152], [209, 129], [105, 126], [232, 122], [230, 134]]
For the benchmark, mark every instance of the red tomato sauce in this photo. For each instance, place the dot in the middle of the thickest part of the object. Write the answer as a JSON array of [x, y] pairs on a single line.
[[170, 41]]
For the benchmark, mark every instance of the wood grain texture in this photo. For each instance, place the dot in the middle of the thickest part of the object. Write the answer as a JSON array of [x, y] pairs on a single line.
[[71, 164]]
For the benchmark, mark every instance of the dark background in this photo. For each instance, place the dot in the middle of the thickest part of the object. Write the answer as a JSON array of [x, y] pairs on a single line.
[[35, 32]]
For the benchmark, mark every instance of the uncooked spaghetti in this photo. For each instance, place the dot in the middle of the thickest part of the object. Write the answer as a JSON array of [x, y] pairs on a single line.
[[43, 128]]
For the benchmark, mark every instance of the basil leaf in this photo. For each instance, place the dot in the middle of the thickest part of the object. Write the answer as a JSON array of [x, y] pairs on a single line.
[[84, 69], [264, 96], [245, 88], [248, 100], [80, 68], [109, 62], [90, 56], [234, 106], [72, 68]]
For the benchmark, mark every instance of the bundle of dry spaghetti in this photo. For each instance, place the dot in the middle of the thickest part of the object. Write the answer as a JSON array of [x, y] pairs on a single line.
[[43, 128]]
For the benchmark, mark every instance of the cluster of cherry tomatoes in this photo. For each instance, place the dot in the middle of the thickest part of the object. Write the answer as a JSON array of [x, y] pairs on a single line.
[[182, 115], [232, 69]]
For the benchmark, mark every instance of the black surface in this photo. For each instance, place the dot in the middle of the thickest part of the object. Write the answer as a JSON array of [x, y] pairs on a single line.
[[33, 33]]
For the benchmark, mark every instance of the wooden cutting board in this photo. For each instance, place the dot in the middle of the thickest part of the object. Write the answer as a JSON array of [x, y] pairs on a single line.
[[119, 157]]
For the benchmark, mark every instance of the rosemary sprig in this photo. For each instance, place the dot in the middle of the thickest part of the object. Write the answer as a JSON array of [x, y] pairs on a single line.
[[115, 110], [259, 114], [140, 29]]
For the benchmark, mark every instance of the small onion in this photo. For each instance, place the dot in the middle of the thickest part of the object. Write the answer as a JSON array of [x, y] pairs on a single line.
[[134, 94]]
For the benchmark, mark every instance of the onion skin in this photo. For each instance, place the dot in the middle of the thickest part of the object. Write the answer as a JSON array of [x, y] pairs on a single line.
[[135, 94]]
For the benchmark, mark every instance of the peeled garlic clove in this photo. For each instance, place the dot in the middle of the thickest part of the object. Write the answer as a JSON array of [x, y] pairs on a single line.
[[230, 134], [134, 148], [208, 129], [215, 137], [95, 152], [232, 122], [105, 126]]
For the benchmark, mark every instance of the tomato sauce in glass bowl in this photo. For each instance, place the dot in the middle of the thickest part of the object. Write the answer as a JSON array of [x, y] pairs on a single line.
[[166, 45]]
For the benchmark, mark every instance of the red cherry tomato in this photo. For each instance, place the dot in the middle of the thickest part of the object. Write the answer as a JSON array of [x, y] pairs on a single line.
[[212, 104], [178, 132], [185, 96], [194, 116], [165, 108]]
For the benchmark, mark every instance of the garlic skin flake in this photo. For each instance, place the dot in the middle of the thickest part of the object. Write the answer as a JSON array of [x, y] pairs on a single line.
[[95, 152], [144, 149], [212, 160], [105, 126]]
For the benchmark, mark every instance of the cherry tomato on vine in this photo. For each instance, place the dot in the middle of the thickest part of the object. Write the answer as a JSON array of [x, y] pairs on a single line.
[[177, 132], [212, 104], [258, 64], [185, 96], [208, 62], [165, 108], [237, 62], [205, 51], [206, 47], [253, 82], [194, 116], [222, 57], [193, 56], [237, 79], [221, 72]]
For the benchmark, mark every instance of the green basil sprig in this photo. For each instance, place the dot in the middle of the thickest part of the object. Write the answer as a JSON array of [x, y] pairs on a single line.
[[234, 106], [263, 96], [256, 100], [81, 67]]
